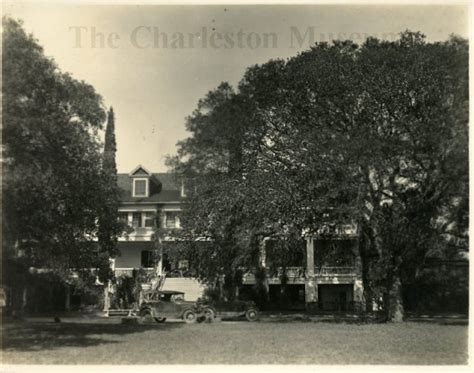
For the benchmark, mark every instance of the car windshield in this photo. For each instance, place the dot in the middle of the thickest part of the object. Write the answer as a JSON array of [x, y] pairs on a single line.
[[165, 297]]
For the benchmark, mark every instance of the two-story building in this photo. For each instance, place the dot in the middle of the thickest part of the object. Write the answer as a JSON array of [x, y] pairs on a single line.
[[147, 199], [328, 277]]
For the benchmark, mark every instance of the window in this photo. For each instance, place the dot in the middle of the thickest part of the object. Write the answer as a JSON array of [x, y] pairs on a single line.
[[140, 187], [137, 220], [172, 219], [147, 259], [123, 217], [285, 253], [149, 219], [334, 253]]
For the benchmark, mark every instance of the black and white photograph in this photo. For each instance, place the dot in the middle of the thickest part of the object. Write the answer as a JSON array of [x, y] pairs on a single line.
[[255, 185]]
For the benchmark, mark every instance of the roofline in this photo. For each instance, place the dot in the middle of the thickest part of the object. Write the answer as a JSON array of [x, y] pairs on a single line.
[[138, 167]]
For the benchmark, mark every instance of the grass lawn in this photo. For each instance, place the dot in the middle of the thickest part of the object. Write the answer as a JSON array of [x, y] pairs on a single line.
[[233, 343]]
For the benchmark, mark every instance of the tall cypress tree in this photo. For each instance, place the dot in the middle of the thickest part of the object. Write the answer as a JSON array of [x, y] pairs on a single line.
[[109, 227], [110, 146]]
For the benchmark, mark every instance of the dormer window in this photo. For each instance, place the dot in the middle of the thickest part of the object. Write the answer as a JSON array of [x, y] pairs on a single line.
[[140, 187], [140, 182]]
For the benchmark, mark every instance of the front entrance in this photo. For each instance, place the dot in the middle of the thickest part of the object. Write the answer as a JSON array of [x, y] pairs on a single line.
[[335, 297], [288, 298]]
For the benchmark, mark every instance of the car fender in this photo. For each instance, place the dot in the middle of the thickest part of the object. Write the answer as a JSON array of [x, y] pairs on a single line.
[[184, 309], [204, 308], [147, 308]]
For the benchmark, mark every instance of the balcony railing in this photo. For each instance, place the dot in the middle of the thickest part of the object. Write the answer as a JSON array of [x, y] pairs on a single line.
[[291, 272], [334, 271], [338, 231], [142, 230], [129, 271], [299, 273]]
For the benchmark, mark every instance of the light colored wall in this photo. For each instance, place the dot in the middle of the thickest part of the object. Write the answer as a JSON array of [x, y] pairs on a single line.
[[130, 255]]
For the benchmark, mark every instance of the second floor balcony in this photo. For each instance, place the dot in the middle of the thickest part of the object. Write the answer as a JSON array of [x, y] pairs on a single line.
[[299, 274], [330, 271]]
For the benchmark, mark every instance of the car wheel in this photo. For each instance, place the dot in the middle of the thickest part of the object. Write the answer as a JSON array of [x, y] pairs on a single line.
[[209, 314], [251, 315], [189, 316], [146, 316], [160, 320]]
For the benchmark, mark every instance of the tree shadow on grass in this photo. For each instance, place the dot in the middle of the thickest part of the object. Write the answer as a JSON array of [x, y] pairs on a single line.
[[37, 336]]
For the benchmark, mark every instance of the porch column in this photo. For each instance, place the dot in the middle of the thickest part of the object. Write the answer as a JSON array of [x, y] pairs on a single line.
[[159, 265], [263, 262], [108, 288], [263, 252], [106, 298], [310, 286], [358, 283]]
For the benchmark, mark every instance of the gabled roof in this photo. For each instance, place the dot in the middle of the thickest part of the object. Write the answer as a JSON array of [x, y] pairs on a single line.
[[140, 171], [164, 187]]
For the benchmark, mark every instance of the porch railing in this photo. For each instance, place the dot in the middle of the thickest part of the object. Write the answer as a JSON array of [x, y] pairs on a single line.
[[129, 271], [334, 271]]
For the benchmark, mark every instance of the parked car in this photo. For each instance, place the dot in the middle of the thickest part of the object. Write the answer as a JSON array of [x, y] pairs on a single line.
[[235, 308], [169, 304]]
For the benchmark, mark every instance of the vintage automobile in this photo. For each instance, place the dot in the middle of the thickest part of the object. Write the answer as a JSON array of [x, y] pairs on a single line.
[[235, 308], [169, 304]]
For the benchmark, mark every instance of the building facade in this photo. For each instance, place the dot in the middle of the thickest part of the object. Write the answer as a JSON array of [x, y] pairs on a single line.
[[328, 277]]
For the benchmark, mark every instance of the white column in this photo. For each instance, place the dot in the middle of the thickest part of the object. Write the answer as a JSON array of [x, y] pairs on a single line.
[[311, 288], [159, 265], [358, 282], [108, 288], [263, 261]]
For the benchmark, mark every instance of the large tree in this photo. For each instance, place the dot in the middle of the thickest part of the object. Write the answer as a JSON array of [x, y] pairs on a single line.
[[374, 134], [109, 226], [215, 156], [54, 189]]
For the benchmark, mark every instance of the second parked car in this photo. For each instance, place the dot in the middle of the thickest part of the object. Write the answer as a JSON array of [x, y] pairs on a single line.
[[235, 308], [170, 304]]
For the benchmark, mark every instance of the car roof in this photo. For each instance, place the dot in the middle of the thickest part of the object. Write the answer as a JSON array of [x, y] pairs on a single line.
[[170, 292]]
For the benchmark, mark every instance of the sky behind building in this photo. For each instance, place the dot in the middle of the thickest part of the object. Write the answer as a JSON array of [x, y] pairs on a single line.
[[153, 63]]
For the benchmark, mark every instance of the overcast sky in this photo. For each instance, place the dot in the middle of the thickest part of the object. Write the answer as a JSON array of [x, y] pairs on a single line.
[[153, 86]]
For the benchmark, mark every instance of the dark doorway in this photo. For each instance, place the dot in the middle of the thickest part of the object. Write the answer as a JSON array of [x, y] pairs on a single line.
[[335, 297], [289, 298]]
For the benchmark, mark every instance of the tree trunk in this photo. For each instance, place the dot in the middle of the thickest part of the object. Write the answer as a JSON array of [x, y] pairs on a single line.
[[220, 284], [67, 305], [395, 310], [106, 298], [24, 300]]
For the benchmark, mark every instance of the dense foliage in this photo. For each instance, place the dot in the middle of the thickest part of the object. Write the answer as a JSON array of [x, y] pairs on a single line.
[[374, 134], [54, 186]]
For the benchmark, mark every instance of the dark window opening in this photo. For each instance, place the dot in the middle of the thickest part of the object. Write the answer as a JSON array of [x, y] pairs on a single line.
[[171, 219], [137, 220], [334, 253], [149, 219], [123, 217], [285, 253], [147, 259]]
